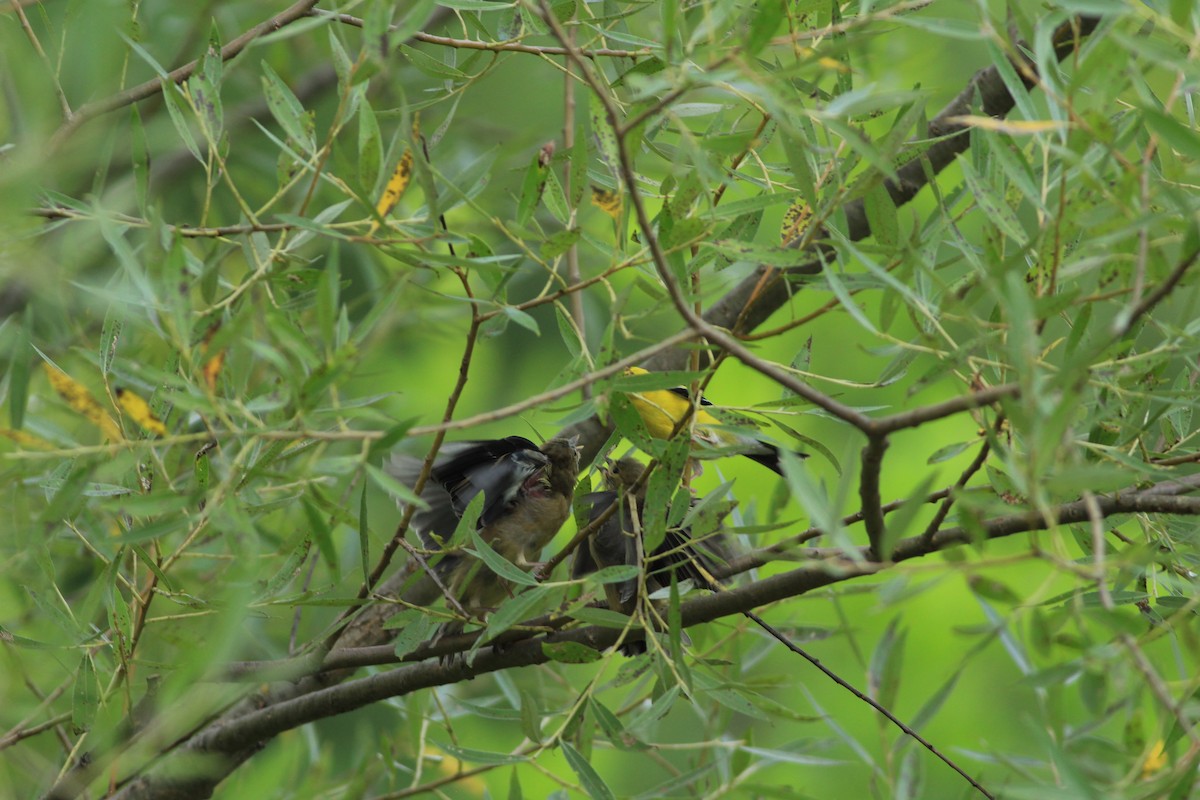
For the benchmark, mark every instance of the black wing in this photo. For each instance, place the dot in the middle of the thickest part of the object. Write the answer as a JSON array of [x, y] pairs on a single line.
[[683, 392], [496, 467]]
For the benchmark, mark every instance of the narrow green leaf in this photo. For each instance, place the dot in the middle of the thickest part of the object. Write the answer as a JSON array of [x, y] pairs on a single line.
[[522, 318], [402, 493], [756, 253], [370, 147], [531, 717], [556, 198], [591, 781], [570, 652], [559, 243], [288, 570], [475, 5], [991, 204], [498, 563], [121, 620], [616, 574], [415, 628], [321, 533], [85, 698], [516, 609], [656, 711], [882, 216], [170, 94], [430, 65], [482, 756], [886, 663], [606, 139], [768, 14], [1181, 138], [287, 110], [532, 187]]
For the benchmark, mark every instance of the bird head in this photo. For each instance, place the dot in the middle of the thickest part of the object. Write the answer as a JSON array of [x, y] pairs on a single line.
[[622, 473], [563, 457]]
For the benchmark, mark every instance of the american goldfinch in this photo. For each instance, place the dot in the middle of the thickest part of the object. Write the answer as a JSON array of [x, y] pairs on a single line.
[[616, 543], [662, 409], [527, 493]]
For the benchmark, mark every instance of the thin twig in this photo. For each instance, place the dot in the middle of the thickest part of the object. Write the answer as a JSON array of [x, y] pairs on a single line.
[[833, 676], [65, 106], [495, 47]]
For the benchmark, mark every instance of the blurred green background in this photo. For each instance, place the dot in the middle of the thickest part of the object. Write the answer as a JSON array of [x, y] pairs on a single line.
[[343, 328]]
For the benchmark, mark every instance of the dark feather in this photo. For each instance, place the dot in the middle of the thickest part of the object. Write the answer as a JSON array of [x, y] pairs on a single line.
[[683, 392]]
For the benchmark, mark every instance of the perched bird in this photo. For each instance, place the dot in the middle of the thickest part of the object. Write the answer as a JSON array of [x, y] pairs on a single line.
[[617, 542], [662, 409], [527, 493], [614, 543]]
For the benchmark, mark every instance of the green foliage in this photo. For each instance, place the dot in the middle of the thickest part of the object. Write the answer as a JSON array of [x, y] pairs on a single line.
[[223, 306]]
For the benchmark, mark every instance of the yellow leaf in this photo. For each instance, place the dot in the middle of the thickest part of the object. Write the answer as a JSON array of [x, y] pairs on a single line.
[[795, 221], [396, 185], [1015, 127], [607, 201], [82, 402], [139, 411], [26, 439], [212, 370], [1155, 761]]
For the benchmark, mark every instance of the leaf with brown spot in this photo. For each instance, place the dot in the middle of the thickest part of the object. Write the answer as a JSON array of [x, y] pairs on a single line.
[[795, 221], [396, 186], [212, 370], [81, 401], [607, 201]]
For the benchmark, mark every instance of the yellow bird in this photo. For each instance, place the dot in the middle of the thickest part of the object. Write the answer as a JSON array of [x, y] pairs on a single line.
[[662, 409]]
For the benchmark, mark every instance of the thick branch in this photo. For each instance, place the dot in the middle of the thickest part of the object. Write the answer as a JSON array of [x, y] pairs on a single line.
[[1165, 498], [869, 494]]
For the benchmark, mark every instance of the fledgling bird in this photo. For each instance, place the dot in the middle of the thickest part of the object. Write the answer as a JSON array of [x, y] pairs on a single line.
[[662, 409], [527, 493], [616, 543]]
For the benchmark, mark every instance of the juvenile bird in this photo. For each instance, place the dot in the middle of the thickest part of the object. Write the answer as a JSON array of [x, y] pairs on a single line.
[[662, 409], [527, 493], [616, 542]]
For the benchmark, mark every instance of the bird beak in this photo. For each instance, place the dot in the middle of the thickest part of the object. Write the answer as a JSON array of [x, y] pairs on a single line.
[[608, 469]]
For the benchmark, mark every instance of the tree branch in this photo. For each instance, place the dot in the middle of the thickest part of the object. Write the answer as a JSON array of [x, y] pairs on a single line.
[[236, 738], [89, 111]]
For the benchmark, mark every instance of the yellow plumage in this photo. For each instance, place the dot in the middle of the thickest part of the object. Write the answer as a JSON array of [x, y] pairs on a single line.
[[662, 409]]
